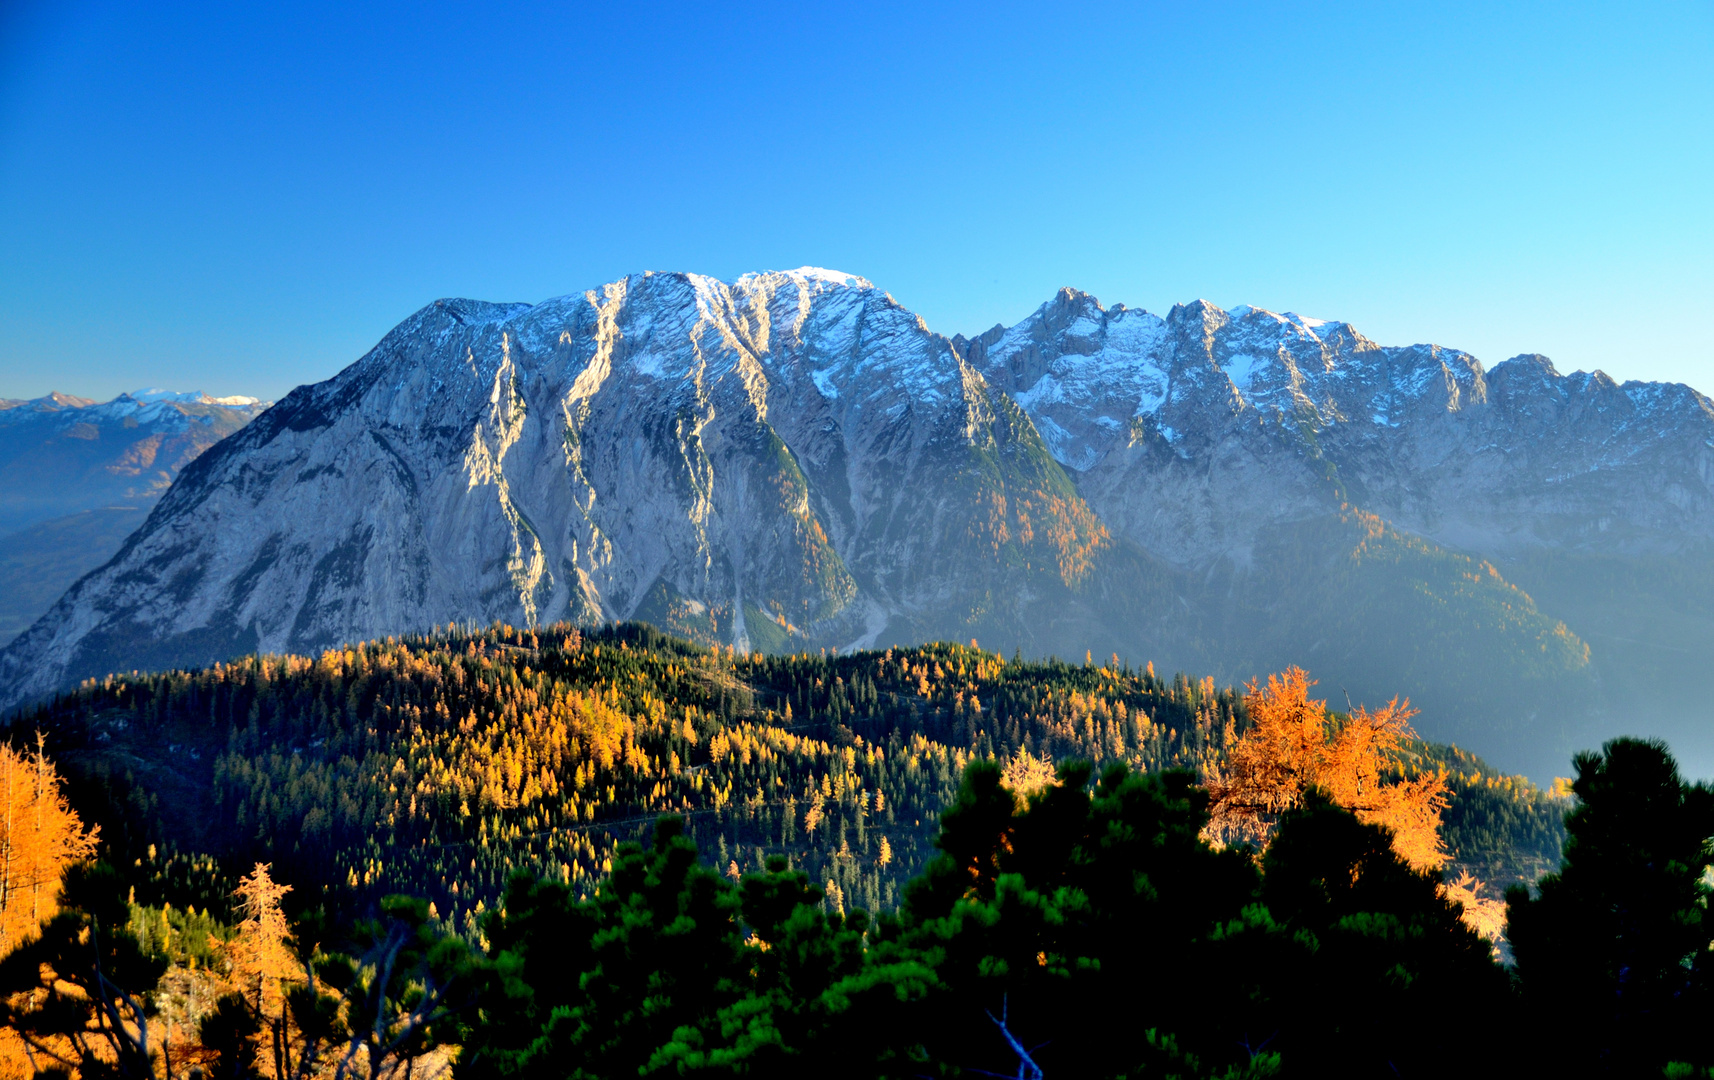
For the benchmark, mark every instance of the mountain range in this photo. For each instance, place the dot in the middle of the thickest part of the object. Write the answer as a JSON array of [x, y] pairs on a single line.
[[793, 461], [78, 476]]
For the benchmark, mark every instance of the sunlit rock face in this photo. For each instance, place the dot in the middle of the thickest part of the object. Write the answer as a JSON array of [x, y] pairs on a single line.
[[788, 460], [1189, 433], [794, 461]]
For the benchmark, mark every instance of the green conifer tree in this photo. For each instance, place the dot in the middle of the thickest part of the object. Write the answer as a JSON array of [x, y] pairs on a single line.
[[1613, 955]]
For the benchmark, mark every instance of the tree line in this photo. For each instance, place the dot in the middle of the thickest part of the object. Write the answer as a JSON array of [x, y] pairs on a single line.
[[425, 789], [440, 764]]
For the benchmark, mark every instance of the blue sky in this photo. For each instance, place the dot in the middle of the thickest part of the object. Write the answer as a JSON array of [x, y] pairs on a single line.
[[241, 198]]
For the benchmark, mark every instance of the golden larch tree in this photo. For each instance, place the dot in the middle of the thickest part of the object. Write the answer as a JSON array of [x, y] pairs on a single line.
[[1483, 914], [261, 954], [40, 835], [1294, 744], [261, 951], [1025, 774]]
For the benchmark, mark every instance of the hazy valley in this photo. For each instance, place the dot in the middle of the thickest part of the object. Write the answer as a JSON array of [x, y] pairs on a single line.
[[77, 477]]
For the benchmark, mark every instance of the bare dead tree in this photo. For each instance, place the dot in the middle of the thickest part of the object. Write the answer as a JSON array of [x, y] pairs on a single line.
[[1027, 1067]]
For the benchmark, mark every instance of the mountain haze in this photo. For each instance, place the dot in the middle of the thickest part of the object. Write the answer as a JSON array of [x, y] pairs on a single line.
[[78, 476], [61, 454], [794, 461]]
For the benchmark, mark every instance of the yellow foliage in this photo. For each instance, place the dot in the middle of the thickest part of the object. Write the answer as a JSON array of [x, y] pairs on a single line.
[[261, 952], [1484, 915], [1294, 745], [40, 835], [1027, 774]]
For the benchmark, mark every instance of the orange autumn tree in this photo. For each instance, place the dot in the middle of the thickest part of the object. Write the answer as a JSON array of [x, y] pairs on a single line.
[[1294, 744], [40, 835], [261, 951], [262, 958]]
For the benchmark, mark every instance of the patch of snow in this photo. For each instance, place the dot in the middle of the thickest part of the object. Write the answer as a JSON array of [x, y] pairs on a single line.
[[1047, 390], [1052, 434], [832, 277], [1241, 369], [646, 362], [1084, 460], [1153, 392], [152, 394], [1084, 326], [824, 382]]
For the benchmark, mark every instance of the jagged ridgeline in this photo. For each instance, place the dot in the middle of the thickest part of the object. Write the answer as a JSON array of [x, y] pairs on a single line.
[[793, 461], [439, 765]]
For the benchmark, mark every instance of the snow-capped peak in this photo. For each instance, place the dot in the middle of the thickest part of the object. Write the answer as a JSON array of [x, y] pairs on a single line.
[[1240, 311], [151, 394], [832, 277]]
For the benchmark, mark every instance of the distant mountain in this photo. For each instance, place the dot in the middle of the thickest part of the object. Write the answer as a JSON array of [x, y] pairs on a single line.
[[1199, 406], [793, 461], [1221, 441], [76, 477]]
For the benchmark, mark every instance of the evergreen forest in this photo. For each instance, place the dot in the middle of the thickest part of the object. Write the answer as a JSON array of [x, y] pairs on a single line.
[[598, 853]]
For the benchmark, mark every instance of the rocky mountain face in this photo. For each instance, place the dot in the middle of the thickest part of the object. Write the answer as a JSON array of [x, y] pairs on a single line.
[[1172, 424], [77, 477], [793, 461]]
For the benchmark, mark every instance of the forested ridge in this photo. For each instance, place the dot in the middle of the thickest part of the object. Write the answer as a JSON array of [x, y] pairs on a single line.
[[437, 765], [528, 855]]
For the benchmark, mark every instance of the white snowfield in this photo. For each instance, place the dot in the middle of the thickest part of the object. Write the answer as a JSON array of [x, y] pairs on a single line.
[[191, 397]]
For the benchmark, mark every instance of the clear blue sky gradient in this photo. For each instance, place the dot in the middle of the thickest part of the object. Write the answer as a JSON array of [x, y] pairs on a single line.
[[243, 197]]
